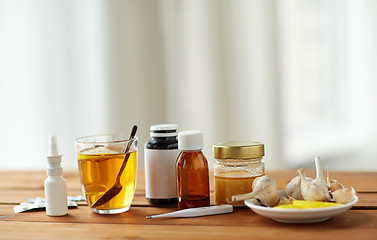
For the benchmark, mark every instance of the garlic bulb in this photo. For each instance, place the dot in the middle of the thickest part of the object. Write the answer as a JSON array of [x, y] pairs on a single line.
[[344, 195], [293, 188], [315, 190], [264, 189]]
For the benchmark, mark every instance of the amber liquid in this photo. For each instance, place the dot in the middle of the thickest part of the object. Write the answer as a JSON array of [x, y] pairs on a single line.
[[192, 180], [228, 184], [98, 173]]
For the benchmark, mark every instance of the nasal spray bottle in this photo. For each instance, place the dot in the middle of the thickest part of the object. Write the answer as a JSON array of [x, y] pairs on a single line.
[[55, 184]]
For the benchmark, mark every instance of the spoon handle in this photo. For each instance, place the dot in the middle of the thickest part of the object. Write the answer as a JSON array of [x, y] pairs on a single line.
[[132, 135]]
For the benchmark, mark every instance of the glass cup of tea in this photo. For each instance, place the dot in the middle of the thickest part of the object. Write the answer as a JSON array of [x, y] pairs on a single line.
[[107, 166]]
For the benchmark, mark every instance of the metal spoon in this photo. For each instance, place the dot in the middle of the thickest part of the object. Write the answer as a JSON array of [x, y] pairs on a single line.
[[117, 187]]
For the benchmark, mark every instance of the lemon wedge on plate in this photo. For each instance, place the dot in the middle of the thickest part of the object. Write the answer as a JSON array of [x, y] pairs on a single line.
[[308, 204]]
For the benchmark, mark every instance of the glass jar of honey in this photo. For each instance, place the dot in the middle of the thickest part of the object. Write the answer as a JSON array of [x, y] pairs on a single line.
[[236, 166]]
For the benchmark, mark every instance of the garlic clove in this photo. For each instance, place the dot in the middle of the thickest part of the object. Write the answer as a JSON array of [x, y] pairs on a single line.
[[332, 184], [344, 195], [315, 190], [293, 188], [256, 190], [264, 189]]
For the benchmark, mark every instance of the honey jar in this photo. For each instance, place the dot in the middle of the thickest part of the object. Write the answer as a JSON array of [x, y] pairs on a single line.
[[236, 166]]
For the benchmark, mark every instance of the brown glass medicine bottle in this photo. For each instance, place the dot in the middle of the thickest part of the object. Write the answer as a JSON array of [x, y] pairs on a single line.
[[192, 171]]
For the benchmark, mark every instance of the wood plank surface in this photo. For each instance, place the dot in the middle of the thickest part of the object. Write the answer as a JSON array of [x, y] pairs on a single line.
[[137, 215], [361, 181], [81, 223], [32, 230], [18, 196]]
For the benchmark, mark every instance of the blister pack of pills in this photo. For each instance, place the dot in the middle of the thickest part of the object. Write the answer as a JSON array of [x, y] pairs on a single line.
[[39, 204]]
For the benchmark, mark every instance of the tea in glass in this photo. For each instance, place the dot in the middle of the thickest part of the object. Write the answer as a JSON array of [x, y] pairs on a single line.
[[99, 163]]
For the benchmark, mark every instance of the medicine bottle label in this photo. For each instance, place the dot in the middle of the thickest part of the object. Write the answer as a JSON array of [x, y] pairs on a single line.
[[160, 176]]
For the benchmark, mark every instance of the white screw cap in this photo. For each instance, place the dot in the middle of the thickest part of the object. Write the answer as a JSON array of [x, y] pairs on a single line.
[[190, 140]]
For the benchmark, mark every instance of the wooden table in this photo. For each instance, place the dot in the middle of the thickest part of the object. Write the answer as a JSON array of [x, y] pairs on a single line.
[[80, 223]]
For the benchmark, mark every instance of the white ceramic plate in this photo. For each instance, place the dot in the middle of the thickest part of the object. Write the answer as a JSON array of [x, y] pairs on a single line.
[[299, 215]]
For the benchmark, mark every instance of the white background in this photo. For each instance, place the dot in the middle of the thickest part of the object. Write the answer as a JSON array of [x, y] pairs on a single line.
[[297, 75]]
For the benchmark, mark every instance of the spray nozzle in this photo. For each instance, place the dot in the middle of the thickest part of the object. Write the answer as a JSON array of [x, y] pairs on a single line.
[[53, 146], [53, 158]]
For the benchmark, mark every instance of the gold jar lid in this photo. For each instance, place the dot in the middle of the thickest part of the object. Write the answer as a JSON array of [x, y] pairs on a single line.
[[238, 150]]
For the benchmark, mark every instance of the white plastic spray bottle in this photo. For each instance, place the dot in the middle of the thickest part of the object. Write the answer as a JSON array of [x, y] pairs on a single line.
[[55, 184]]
